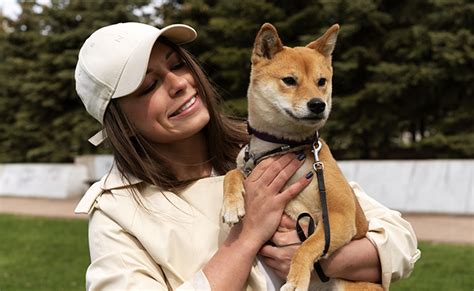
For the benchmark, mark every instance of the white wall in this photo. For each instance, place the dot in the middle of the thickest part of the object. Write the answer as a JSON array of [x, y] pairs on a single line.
[[440, 186], [431, 186], [43, 180]]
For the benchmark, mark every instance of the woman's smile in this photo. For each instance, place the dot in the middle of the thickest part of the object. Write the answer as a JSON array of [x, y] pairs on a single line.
[[189, 107]]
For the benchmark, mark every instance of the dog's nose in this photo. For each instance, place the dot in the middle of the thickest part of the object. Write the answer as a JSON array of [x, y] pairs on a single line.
[[316, 105]]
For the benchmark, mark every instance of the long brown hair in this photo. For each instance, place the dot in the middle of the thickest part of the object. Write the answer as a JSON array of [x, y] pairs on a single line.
[[135, 155]]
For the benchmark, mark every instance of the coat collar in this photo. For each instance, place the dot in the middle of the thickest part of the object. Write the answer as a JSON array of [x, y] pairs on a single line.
[[114, 179]]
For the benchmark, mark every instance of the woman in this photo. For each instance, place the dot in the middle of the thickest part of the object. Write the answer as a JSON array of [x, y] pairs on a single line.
[[155, 218]]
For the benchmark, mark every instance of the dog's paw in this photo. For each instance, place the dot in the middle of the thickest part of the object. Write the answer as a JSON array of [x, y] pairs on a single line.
[[298, 278], [290, 287], [233, 212]]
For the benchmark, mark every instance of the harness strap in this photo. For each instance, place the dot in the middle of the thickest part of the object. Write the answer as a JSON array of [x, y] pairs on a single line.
[[256, 158], [260, 156], [311, 227], [299, 229]]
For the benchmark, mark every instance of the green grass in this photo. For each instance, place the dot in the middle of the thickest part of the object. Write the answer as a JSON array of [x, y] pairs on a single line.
[[444, 267], [52, 254], [42, 254]]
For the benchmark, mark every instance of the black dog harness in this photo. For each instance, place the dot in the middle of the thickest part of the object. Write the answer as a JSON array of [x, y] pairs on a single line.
[[252, 159]]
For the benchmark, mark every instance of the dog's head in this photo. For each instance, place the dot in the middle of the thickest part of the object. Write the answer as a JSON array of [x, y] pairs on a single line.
[[290, 88]]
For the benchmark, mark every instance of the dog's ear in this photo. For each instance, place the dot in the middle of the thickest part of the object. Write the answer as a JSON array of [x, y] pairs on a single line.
[[267, 43], [326, 43]]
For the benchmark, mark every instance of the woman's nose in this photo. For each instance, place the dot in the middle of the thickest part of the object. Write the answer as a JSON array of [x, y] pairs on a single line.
[[177, 84]]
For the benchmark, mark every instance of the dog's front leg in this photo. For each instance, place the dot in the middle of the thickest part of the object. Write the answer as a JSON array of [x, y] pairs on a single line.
[[312, 249], [233, 208], [302, 262]]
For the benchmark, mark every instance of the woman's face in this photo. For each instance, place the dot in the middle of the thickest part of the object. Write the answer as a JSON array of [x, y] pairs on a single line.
[[167, 107]]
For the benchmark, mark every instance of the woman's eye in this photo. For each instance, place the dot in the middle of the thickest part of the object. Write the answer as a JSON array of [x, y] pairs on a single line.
[[179, 65], [322, 82], [290, 81], [149, 88]]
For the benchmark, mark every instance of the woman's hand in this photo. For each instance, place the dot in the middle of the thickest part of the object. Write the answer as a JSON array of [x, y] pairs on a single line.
[[264, 205], [264, 198], [356, 261], [284, 244]]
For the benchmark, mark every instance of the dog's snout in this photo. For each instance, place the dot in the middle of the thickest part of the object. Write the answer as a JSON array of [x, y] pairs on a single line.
[[316, 105]]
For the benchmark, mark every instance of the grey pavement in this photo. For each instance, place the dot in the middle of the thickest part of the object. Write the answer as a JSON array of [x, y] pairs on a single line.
[[445, 228]]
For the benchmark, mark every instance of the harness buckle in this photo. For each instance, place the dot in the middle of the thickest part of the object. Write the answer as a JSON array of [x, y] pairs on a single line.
[[285, 147]]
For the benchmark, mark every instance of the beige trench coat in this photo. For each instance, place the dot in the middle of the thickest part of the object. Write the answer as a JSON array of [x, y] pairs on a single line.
[[166, 246]]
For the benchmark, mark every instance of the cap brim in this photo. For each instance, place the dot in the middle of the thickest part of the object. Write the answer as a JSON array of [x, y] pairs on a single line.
[[179, 33]]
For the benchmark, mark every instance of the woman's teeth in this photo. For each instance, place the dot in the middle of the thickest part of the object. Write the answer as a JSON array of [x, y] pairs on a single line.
[[185, 106]]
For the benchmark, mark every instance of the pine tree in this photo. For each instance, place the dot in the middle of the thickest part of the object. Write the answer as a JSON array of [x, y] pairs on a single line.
[[45, 119], [402, 77], [402, 85]]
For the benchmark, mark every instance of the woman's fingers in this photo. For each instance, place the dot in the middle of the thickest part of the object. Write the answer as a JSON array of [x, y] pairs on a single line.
[[264, 201], [285, 238], [295, 188], [279, 259], [262, 167], [284, 172], [270, 168], [287, 224]]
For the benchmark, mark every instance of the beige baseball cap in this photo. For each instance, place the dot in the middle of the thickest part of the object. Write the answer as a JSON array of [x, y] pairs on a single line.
[[113, 61]]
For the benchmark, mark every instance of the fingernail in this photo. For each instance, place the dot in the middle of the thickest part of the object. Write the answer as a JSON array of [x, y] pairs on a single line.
[[301, 156], [309, 175]]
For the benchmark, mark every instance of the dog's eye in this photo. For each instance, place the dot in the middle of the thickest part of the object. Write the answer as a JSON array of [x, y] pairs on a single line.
[[322, 82], [290, 81]]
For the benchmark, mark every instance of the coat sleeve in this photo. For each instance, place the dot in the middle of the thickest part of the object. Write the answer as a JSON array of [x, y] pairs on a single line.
[[119, 261], [393, 237]]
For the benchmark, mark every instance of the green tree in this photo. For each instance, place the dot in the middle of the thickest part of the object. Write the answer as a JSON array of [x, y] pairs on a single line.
[[415, 82], [402, 70], [45, 119]]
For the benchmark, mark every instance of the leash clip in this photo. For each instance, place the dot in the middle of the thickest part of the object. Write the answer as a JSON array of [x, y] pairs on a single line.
[[317, 165], [316, 150]]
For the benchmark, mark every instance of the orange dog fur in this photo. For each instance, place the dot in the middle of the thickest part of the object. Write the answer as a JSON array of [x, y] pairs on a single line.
[[280, 107]]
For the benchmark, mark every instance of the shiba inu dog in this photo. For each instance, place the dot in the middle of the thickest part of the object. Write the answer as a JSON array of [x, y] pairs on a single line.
[[289, 100]]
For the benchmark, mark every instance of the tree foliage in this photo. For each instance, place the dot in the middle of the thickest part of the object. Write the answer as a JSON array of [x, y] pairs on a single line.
[[43, 118], [402, 70]]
